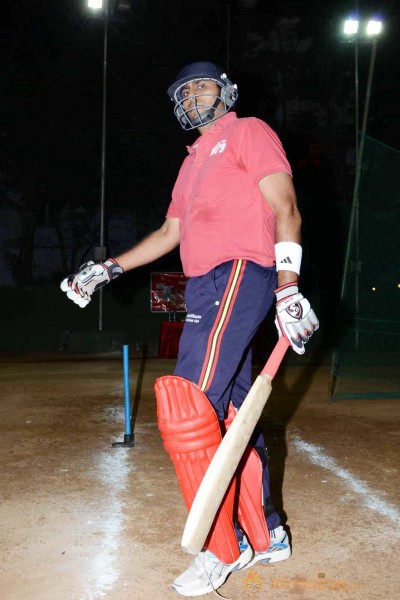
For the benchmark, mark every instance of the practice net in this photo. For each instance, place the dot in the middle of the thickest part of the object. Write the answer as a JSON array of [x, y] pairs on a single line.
[[366, 360]]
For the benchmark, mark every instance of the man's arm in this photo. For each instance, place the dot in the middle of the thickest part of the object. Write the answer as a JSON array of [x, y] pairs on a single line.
[[295, 319], [278, 191], [91, 276], [154, 246]]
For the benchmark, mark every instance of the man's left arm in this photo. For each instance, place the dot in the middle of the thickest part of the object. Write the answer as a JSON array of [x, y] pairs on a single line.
[[295, 318]]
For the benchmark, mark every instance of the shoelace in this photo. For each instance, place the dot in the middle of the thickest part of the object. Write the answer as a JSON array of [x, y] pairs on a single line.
[[213, 559]]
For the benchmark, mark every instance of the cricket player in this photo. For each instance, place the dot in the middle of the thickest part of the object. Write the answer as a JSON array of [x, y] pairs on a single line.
[[235, 216]]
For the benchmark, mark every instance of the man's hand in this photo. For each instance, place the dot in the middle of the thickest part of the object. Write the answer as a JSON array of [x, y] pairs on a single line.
[[90, 278], [295, 319]]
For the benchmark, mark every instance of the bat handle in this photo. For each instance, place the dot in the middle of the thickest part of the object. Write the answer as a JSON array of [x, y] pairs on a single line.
[[272, 364]]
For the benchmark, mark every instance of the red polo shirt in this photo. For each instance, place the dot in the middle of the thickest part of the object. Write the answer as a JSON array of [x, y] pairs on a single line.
[[216, 197]]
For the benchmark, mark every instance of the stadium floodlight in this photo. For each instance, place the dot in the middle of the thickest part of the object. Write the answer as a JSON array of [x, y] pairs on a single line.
[[374, 27], [350, 26], [95, 4]]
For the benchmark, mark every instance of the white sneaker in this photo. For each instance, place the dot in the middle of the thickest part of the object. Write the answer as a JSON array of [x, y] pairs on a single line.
[[207, 573], [279, 548]]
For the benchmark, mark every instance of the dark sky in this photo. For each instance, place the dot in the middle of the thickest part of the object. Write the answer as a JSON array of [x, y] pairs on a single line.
[[52, 56], [287, 57]]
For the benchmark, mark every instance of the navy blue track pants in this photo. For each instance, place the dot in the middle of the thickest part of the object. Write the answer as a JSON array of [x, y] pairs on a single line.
[[225, 307]]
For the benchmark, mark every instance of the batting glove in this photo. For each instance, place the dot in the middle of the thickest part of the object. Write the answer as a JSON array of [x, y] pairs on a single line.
[[295, 319], [90, 278]]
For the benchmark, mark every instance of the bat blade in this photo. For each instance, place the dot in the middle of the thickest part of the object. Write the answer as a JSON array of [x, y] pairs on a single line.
[[227, 457]]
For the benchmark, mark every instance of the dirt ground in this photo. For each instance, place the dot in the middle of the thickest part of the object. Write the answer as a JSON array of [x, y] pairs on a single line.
[[82, 520]]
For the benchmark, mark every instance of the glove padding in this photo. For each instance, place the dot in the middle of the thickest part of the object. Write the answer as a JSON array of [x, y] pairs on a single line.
[[74, 296], [90, 278], [295, 319]]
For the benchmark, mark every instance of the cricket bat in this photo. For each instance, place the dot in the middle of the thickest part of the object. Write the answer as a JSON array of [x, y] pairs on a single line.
[[227, 457]]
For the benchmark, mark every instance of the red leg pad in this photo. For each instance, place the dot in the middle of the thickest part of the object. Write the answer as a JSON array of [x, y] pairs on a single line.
[[191, 434], [250, 509]]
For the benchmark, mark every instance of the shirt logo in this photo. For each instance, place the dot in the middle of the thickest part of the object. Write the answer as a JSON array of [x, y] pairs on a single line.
[[218, 148]]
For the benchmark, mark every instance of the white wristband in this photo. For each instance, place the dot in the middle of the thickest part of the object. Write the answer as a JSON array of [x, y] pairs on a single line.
[[288, 256]]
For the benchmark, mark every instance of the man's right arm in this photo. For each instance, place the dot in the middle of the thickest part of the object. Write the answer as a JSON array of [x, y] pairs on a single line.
[[154, 246], [91, 276]]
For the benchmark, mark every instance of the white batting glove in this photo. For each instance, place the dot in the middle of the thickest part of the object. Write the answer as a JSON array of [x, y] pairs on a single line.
[[90, 278], [295, 319], [74, 296]]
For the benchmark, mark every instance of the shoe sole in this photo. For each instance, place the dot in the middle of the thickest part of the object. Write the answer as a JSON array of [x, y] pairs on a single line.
[[241, 563]]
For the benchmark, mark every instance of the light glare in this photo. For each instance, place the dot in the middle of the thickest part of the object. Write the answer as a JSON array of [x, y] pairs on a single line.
[[374, 27], [350, 26], [96, 4]]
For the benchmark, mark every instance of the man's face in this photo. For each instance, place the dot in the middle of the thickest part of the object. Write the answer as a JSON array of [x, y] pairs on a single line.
[[200, 95]]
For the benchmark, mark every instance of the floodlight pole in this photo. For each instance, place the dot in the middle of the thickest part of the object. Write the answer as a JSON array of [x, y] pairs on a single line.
[[357, 214], [356, 158], [367, 103], [357, 94], [355, 208], [355, 204], [100, 251], [104, 120], [354, 215]]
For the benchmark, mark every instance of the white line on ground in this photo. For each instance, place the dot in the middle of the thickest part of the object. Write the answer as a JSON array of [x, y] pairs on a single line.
[[370, 498], [114, 468]]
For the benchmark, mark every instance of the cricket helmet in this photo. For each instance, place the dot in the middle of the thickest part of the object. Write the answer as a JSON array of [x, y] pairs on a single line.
[[202, 71]]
